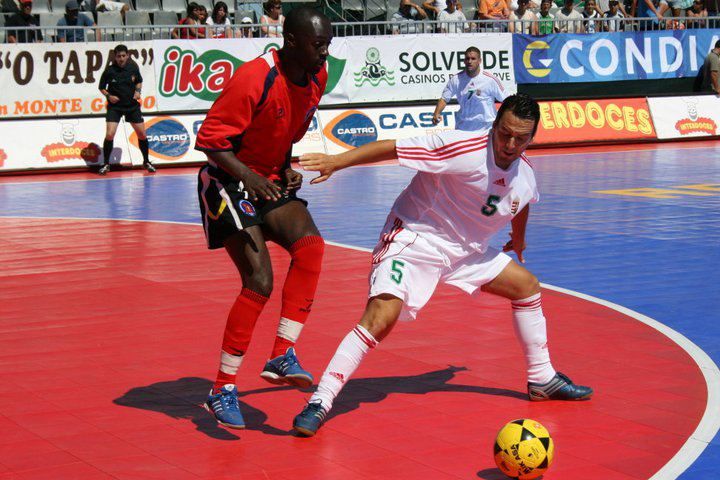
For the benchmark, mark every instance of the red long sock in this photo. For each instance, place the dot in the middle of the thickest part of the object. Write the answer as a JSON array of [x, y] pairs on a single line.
[[298, 291], [238, 332]]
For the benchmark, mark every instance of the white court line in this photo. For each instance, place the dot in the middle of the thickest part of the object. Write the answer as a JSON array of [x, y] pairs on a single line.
[[709, 423]]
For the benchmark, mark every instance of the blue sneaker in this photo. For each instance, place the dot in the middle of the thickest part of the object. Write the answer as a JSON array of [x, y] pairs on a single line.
[[285, 369], [224, 406], [310, 419], [560, 387]]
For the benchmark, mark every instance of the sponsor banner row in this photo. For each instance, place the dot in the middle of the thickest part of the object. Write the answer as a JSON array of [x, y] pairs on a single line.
[[61, 79], [611, 56], [65, 143], [684, 117], [71, 143], [190, 75], [561, 122]]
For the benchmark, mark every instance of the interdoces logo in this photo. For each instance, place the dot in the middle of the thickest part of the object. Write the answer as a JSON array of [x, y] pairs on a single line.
[[539, 48], [695, 123], [70, 148], [351, 129], [373, 72], [168, 139], [185, 73]]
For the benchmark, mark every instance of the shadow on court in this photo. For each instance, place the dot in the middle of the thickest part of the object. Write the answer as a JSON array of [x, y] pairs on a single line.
[[373, 390], [182, 398]]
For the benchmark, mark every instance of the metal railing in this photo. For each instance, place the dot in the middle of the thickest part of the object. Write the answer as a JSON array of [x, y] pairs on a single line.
[[344, 29]]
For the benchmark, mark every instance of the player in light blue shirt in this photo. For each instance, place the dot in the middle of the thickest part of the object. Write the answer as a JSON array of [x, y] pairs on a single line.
[[476, 92]]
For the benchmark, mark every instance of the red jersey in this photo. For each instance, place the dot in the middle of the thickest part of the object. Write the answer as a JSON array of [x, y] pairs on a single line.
[[260, 114]]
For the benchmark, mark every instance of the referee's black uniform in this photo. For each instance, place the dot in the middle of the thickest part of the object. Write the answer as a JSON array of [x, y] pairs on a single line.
[[121, 82]]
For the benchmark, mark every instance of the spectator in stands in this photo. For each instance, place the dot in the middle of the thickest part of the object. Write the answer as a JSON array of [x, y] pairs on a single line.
[[452, 20], [699, 15], [202, 15], [591, 16], [110, 6], [191, 18], [527, 20], [612, 18], [569, 20], [219, 18], [434, 7], [406, 19], [546, 20], [10, 6], [679, 7], [711, 70], [23, 19], [73, 18], [493, 10], [246, 31], [653, 10], [272, 22]]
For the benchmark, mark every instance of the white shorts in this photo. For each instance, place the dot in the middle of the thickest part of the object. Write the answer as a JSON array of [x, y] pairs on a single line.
[[409, 266]]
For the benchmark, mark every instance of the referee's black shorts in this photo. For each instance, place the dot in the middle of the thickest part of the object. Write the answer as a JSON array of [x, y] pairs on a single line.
[[131, 114], [226, 208]]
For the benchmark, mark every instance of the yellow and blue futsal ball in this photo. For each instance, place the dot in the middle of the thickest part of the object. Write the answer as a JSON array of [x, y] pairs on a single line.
[[524, 449]]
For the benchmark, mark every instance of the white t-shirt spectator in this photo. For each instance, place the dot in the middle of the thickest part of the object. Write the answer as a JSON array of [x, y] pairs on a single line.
[[450, 27], [526, 25], [218, 31], [563, 25]]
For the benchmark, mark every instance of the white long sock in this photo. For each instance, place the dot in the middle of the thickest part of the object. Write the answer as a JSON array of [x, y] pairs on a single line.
[[530, 329], [347, 358]]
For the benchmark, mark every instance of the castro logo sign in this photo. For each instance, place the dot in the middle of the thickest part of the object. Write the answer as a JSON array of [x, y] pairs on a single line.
[[351, 129], [168, 139]]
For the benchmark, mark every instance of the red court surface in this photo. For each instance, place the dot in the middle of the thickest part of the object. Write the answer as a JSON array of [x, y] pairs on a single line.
[[109, 338]]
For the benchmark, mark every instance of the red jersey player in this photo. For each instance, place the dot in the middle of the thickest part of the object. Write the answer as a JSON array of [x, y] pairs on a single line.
[[247, 194]]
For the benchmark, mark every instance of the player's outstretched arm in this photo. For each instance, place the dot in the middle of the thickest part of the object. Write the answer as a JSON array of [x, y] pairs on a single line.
[[517, 233], [326, 165]]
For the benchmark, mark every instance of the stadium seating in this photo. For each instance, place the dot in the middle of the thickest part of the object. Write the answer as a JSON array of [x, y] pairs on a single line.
[[147, 5], [43, 6], [138, 19], [111, 19], [48, 22], [179, 6]]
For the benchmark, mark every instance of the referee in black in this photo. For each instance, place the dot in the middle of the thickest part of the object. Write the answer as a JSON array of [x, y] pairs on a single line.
[[121, 83]]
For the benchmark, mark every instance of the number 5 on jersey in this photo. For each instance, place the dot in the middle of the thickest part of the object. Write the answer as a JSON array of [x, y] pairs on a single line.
[[397, 273], [490, 206]]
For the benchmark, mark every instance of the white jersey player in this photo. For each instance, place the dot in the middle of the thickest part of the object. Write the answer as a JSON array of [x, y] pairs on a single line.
[[476, 91], [469, 185]]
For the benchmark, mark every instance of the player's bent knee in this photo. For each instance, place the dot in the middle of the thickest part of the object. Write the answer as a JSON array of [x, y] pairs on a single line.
[[529, 287], [261, 284]]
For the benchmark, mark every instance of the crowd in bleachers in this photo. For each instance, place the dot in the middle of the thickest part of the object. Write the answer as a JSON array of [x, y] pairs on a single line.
[[81, 20]]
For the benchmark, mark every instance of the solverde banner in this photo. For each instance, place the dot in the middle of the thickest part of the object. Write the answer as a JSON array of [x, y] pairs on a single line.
[[611, 56], [190, 75], [61, 79]]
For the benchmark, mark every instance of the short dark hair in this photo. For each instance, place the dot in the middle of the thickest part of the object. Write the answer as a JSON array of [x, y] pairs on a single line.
[[300, 17], [472, 49], [717, 44], [120, 48], [522, 106]]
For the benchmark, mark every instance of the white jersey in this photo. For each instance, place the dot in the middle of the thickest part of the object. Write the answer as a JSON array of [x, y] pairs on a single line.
[[477, 96], [460, 196]]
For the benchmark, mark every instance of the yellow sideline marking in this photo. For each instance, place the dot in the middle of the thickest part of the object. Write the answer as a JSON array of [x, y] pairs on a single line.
[[694, 190]]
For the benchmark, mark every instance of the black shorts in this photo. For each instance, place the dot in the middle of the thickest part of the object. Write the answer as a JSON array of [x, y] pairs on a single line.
[[131, 114], [226, 208]]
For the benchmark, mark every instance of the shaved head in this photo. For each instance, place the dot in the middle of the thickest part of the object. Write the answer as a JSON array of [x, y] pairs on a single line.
[[305, 20]]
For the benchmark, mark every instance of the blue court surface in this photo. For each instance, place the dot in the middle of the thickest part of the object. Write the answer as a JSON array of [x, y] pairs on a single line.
[[637, 227]]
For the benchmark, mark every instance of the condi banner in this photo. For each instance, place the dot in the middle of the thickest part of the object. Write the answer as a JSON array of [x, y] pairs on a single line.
[[611, 56], [594, 121], [61, 79], [683, 117]]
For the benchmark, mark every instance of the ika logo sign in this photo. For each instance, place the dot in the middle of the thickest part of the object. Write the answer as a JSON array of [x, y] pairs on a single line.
[[373, 72], [167, 138], [351, 129]]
